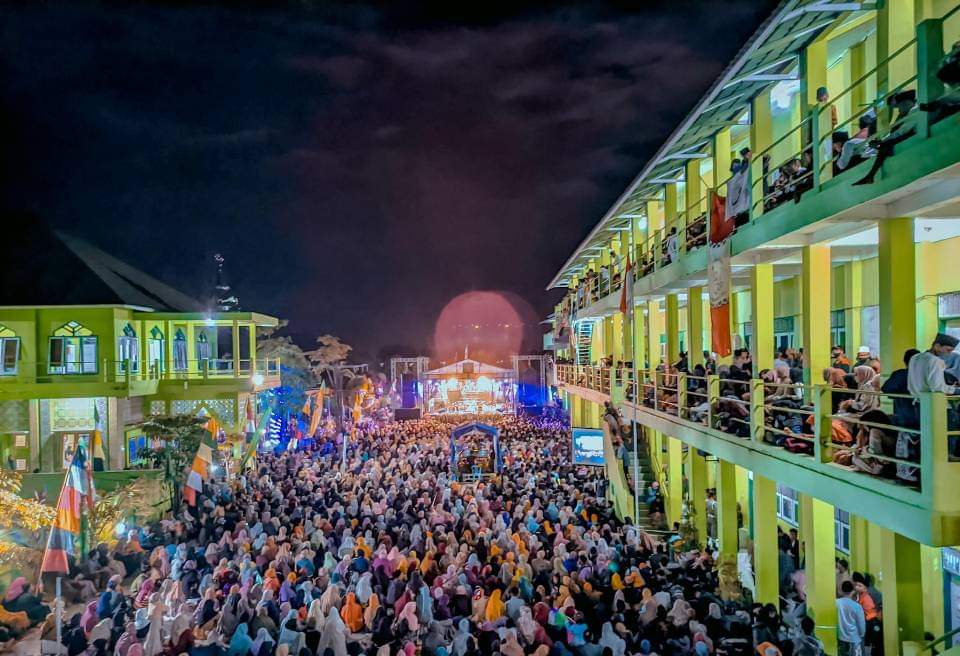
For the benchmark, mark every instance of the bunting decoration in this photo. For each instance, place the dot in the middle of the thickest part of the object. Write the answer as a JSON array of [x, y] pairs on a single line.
[[68, 533], [200, 470], [718, 275], [99, 459]]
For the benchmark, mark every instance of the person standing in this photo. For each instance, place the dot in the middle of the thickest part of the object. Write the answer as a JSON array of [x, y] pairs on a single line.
[[851, 622]]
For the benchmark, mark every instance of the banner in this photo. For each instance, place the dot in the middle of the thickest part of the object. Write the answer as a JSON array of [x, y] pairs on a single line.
[[200, 469], [718, 276]]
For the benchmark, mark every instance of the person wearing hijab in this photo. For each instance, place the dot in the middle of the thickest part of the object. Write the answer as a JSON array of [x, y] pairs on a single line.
[[352, 613], [334, 635]]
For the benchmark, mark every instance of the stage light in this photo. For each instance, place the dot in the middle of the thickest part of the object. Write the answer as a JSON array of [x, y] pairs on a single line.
[[257, 379]]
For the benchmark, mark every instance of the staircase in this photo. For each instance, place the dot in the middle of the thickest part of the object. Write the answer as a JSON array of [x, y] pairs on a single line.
[[584, 340], [645, 476]]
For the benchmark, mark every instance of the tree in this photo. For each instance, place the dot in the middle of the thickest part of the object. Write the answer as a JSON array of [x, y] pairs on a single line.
[[176, 439], [21, 521], [329, 364], [296, 372]]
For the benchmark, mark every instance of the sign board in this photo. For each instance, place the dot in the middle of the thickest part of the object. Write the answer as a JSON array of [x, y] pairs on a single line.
[[588, 446]]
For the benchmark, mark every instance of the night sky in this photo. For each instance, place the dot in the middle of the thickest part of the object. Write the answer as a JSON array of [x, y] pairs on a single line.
[[358, 165]]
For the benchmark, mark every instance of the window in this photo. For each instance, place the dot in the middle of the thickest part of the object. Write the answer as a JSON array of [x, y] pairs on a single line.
[[73, 350], [870, 328], [128, 348], [155, 349], [9, 352], [788, 505], [179, 351], [746, 332], [782, 332], [203, 347], [838, 329], [841, 530]]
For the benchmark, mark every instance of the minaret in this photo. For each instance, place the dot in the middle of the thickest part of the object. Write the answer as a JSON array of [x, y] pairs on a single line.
[[226, 302]]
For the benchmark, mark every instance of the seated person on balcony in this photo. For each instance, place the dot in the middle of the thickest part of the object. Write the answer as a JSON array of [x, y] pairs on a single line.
[[903, 126], [838, 359], [780, 385], [741, 369], [948, 73], [896, 383], [697, 401], [863, 357], [857, 148], [867, 382], [697, 232], [925, 372], [836, 379], [730, 413]]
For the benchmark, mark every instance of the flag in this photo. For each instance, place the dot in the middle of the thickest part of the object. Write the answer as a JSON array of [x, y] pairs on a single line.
[[626, 291], [99, 459], [316, 417], [200, 469], [306, 407], [718, 276], [68, 533]]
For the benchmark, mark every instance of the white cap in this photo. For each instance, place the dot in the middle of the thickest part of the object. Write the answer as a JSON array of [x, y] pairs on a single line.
[[863, 349]]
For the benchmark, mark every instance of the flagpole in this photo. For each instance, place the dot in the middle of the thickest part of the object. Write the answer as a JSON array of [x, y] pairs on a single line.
[[636, 390]]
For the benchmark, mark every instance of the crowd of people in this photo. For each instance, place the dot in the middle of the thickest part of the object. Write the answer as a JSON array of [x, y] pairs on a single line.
[[385, 553]]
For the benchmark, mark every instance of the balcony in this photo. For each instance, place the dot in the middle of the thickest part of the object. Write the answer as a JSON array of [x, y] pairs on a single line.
[[130, 379], [818, 201], [743, 422]]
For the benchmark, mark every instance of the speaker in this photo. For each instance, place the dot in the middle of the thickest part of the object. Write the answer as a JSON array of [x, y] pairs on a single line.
[[402, 414]]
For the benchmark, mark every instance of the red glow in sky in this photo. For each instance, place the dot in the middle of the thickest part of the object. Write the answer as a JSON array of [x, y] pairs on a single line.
[[486, 322]]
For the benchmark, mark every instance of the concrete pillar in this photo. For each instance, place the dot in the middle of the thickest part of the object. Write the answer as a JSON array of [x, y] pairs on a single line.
[[670, 204], [33, 415], [235, 346], [722, 156], [694, 326], [693, 190], [115, 437], [673, 328], [761, 304], [895, 27], [727, 529], [813, 73], [902, 590], [192, 365], [674, 479], [697, 476], [815, 283], [761, 137], [766, 564], [897, 291], [853, 297], [819, 552], [654, 330], [252, 336]]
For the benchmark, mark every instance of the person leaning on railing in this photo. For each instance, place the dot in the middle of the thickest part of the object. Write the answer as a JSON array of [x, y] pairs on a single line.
[[926, 373]]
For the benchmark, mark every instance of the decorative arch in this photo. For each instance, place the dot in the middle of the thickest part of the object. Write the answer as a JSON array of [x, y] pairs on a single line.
[[156, 333], [73, 329], [6, 332], [128, 330]]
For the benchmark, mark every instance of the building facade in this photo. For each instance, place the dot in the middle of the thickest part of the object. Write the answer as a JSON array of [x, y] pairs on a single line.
[[832, 141]]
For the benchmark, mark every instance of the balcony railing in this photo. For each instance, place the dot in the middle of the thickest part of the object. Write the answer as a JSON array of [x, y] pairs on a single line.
[[842, 436], [125, 371]]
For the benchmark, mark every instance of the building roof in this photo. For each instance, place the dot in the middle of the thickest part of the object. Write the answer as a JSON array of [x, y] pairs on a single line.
[[42, 266], [771, 54]]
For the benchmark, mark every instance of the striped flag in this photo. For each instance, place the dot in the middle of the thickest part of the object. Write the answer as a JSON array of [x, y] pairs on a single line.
[[68, 533], [200, 470], [99, 459], [251, 426]]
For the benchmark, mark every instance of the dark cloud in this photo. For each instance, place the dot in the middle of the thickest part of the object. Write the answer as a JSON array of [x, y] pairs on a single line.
[[358, 165]]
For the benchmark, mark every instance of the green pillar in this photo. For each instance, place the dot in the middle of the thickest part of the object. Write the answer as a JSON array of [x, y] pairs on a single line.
[[853, 300], [697, 475], [654, 330], [673, 328], [815, 290], [902, 588], [816, 517], [897, 290], [674, 479], [694, 326], [761, 306], [727, 529], [761, 136], [766, 564]]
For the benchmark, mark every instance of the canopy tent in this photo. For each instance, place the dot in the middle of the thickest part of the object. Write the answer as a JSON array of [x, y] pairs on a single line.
[[485, 431]]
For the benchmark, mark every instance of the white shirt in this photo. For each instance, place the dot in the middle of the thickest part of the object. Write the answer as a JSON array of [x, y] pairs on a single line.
[[851, 623], [925, 374]]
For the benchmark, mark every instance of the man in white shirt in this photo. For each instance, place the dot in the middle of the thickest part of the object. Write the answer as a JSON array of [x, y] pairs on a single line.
[[851, 622], [925, 373]]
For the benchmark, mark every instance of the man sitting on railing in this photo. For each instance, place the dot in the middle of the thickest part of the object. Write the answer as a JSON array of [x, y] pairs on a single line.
[[857, 148]]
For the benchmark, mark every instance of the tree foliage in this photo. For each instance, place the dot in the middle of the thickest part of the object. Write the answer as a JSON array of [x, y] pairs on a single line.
[[296, 371], [175, 440], [331, 354]]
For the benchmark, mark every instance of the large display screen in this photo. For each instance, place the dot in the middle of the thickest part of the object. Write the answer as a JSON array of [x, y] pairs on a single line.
[[588, 446]]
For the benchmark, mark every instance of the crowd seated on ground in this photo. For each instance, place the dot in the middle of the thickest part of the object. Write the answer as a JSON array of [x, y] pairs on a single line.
[[387, 555]]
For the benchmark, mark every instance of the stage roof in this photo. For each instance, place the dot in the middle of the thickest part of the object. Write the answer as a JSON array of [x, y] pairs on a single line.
[[479, 368]]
